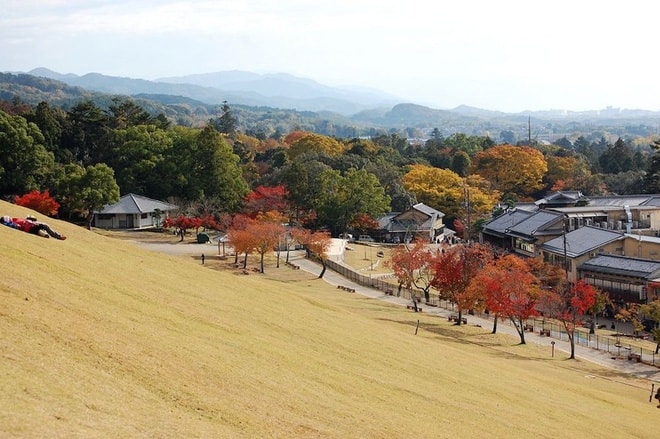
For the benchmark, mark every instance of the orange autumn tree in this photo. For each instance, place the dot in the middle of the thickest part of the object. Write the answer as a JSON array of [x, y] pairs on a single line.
[[510, 290], [454, 269], [316, 244], [266, 236], [42, 202], [412, 264]]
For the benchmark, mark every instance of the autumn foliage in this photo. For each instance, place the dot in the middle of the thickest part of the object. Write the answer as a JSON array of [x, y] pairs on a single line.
[[42, 202], [509, 290]]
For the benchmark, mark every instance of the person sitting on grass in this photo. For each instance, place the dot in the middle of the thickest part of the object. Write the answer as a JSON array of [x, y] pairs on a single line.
[[31, 225]]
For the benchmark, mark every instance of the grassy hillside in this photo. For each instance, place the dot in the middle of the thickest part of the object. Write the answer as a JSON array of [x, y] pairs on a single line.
[[100, 338]]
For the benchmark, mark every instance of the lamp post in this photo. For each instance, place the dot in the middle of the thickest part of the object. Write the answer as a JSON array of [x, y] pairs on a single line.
[[552, 343]]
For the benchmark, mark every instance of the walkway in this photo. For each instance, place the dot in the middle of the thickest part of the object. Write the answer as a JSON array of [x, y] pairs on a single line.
[[602, 358]]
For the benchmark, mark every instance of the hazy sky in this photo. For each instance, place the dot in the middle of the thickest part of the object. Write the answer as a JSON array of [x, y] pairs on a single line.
[[509, 55]]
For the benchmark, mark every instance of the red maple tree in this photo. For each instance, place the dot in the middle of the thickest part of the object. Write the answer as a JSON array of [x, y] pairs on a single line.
[[42, 202], [509, 289], [568, 303]]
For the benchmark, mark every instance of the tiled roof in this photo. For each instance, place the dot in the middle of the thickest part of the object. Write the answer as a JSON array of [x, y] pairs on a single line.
[[499, 225], [428, 210], [624, 266], [132, 203], [581, 241], [538, 222]]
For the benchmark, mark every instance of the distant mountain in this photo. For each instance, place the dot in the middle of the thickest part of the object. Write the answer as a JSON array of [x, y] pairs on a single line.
[[237, 87]]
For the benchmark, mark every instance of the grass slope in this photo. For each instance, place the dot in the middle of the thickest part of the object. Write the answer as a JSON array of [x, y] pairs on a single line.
[[101, 338]]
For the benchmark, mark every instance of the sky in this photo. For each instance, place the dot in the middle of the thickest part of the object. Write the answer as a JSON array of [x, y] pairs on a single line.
[[506, 55]]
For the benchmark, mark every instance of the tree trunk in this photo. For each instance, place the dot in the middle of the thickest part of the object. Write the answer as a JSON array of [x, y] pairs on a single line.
[[261, 263], [323, 270], [494, 324], [571, 339], [460, 317], [90, 219], [245, 261], [521, 330], [427, 296]]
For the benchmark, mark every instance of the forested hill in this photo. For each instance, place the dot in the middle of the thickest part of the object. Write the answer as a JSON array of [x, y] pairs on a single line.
[[176, 102]]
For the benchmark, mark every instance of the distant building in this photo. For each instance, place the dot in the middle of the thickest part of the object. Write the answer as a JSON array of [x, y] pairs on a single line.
[[133, 212]]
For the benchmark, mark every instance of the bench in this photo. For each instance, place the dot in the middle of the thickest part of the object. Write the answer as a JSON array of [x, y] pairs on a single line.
[[634, 357], [529, 327], [350, 290], [389, 292], [545, 332], [412, 307], [454, 318]]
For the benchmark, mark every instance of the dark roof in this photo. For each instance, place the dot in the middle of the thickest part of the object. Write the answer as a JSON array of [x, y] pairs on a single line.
[[621, 200], [536, 224], [499, 225], [428, 210], [132, 203], [561, 197], [623, 266], [581, 241]]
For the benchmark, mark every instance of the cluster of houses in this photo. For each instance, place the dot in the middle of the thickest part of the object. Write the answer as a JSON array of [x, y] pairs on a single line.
[[610, 241]]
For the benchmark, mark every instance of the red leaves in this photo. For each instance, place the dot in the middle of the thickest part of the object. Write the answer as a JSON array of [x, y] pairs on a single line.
[[42, 202]]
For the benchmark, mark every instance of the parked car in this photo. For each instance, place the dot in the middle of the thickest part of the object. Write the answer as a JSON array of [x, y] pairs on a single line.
[[365, 238]]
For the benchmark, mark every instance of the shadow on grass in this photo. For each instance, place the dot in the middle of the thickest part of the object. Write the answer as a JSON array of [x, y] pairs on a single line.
[[450, 332]]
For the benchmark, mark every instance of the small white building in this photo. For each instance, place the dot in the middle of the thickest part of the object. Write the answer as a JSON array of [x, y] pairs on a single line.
[[133, 212]]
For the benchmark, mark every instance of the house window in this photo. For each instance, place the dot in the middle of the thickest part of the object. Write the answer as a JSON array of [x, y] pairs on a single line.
[[105, 216], [144, 216]]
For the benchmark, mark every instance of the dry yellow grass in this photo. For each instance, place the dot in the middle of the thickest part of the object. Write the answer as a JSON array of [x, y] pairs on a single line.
[[100, 338]]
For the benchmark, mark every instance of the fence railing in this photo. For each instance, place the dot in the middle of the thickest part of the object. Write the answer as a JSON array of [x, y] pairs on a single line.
[[617, 345]]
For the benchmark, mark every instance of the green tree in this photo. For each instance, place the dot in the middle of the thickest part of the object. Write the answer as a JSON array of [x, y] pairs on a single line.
[[652, 177], [215, 170], [125, 113], [86, 190], [138, 155], [25, 164], [86, 135]]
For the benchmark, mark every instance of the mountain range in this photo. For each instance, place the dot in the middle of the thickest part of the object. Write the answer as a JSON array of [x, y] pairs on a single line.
[[282, 101], [278, 90]]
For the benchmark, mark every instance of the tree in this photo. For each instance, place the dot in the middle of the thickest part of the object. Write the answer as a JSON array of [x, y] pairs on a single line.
[[514, 169], [88, 189], [446, 191], [265, 199], [568, 303], [652, 178], [453, 271], [42, 202], [616, 158], [510, 290], [266, 236], [317, 244], [86, 134], [125, 113], [226, 123], [651, 311], [215, 171], [25, 164], [137, 155], [315, 143], [412, 265]]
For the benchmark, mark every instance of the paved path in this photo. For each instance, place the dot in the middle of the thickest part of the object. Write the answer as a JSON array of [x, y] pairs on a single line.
[[602, 358]]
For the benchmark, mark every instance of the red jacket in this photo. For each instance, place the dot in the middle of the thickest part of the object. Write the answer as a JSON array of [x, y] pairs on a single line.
[[24, 224]]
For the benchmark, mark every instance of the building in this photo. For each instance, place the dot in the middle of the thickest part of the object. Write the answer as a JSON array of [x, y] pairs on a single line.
[[133, 212], [420, 221]]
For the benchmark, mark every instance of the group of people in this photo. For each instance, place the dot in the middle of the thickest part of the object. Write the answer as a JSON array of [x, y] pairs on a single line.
[[30, 224]]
